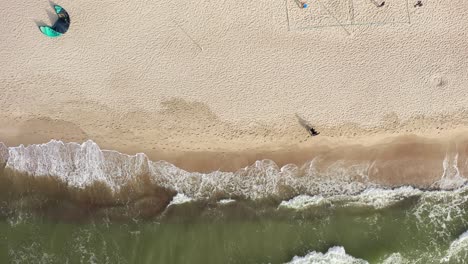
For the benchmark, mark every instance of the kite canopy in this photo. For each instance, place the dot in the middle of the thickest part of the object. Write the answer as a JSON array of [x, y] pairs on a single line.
[[60, 27], [58, 9], [50, 32]]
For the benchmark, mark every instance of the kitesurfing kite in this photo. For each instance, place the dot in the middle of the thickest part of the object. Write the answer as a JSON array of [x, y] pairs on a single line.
[[60, 26]]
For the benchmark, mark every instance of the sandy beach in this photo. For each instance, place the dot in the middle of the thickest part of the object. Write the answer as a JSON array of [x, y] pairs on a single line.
[[178, 132], [211, 86]]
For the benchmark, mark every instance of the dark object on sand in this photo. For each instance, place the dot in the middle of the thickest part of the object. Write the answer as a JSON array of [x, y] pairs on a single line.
[[313, 132], [377, 4], [301, 4], [307, 126], [418, 4], [60, 27]]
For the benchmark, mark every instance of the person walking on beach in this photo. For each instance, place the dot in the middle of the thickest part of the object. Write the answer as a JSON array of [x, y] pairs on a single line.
[[307, 126], [301, 4], [377, 4]]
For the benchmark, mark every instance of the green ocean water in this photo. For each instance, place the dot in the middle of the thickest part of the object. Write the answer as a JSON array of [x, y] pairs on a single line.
[[425, 227]]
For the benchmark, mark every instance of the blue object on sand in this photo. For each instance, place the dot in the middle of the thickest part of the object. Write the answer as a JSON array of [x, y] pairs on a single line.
[[305, 5]]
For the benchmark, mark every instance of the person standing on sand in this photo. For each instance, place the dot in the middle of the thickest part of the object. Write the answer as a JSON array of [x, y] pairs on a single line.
[[307, 126], [377, 4], [301, 4]]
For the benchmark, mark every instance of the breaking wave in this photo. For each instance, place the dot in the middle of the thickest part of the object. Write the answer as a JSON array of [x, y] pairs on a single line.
[[458, 250], [73, 179], [338, 255], [85, 173], [83, 166], [333, 255], [375, 198]]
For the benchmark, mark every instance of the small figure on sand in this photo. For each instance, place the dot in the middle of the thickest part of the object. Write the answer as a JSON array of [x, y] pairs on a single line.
[[313, 132], [307, 126], [301, 3], [377, 4], [418, 4]]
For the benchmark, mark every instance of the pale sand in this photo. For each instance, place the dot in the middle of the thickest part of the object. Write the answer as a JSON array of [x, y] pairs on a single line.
[[217, 84]]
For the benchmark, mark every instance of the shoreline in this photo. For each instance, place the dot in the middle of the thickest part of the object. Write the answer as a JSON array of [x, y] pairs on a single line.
[[180, 139], [231, 99], [418, 152], [159, 132], [395, 161]]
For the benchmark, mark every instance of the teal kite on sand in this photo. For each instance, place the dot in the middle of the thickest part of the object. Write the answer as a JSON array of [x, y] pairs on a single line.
[[60, 27]]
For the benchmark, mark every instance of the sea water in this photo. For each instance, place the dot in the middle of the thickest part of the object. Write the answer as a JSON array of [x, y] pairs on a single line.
[[75, 203]]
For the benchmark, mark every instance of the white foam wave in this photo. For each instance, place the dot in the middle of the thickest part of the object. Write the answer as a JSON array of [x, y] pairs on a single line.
[[458, 250], [438, 209], [77, 165], [395, 258], [338, 255], [381, 198], [180, 198], [226, 201], [303, 202], [82, 165], [451, 177], [373, 197], [334, 255]]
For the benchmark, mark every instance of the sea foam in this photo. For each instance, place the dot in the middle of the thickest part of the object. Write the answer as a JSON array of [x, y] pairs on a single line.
[[83, 165], [458, 250], [334, 255], [338, 255], [77, 165], [180, 198], [372, 197]]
